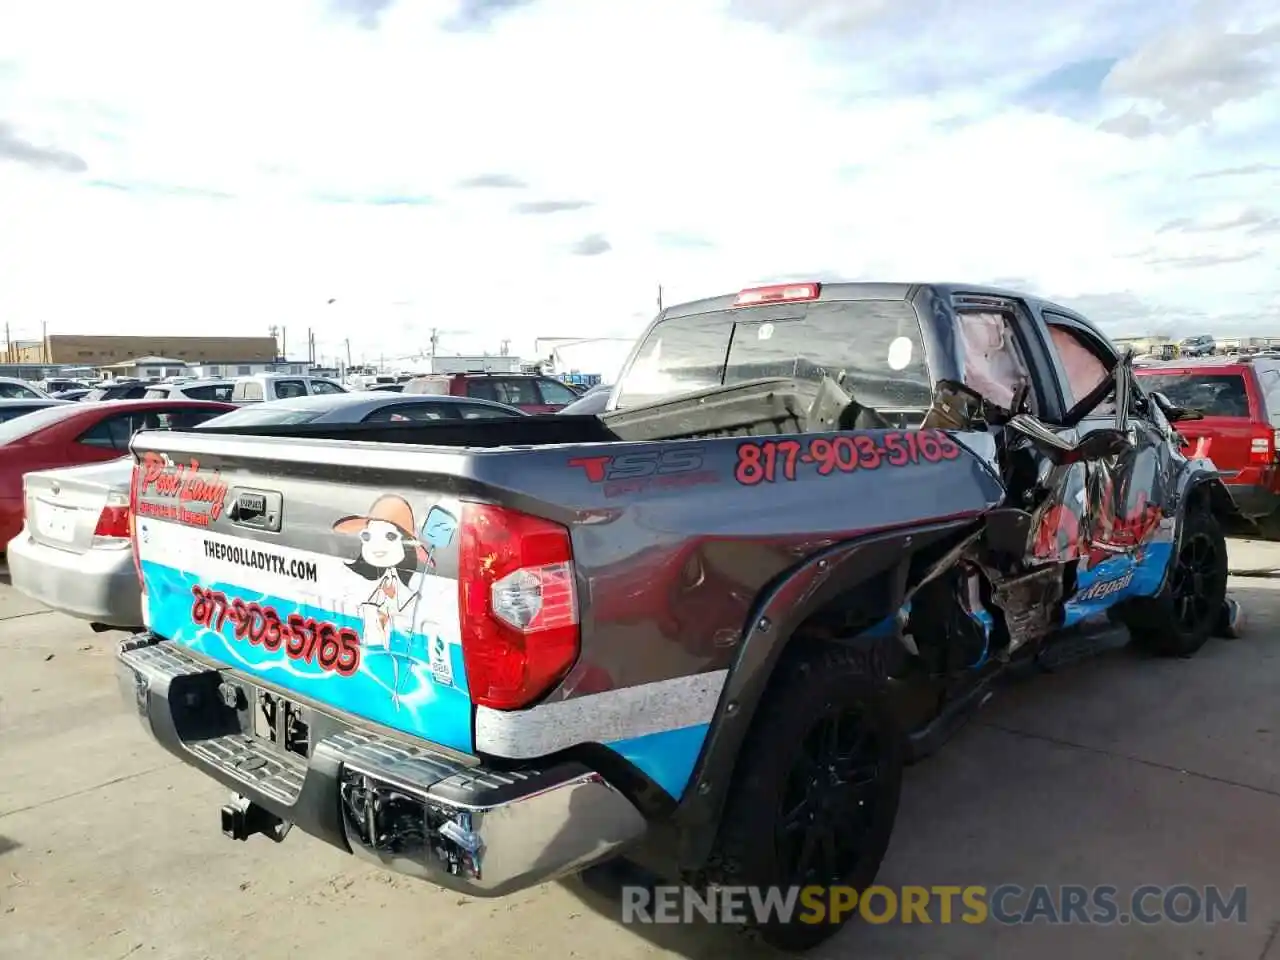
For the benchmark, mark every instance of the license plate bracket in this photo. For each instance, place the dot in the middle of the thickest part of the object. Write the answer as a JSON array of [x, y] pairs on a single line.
[[56, 521], [281, 722]]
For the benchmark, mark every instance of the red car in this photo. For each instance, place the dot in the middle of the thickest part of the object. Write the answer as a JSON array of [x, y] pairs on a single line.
[[67, 435], [528, 391], [1240, 399]]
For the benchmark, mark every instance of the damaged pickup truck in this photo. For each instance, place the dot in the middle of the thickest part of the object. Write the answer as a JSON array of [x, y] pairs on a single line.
[[703, 631]]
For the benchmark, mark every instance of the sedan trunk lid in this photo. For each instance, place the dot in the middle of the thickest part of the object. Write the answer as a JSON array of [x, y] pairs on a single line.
[[79, 508]]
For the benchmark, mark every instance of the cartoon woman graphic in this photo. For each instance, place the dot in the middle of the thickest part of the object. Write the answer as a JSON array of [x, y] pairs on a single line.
[[390, 556]]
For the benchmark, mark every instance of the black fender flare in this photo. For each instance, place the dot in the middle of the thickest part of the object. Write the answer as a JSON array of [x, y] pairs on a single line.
[[779, 611]]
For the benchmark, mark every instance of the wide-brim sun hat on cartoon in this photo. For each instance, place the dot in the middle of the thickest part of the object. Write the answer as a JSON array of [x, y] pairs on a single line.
[[389, 508]]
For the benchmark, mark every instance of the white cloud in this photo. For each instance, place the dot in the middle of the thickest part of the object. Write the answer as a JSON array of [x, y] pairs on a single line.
[[536, 173]]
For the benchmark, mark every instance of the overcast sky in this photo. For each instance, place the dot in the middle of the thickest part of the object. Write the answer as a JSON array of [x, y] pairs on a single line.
[[522, 168]]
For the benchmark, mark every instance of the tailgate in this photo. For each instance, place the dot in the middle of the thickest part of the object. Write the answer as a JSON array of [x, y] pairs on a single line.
[[344, 593], [1224, 440]]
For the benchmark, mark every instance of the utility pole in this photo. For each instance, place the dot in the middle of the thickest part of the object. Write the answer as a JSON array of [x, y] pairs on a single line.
[[348, 343], [659, 298], [284, 343], [435, 339], [44, 340], [8, 344]]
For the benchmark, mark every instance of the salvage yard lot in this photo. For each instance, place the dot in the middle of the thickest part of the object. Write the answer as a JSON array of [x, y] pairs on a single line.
[[1119, 771]]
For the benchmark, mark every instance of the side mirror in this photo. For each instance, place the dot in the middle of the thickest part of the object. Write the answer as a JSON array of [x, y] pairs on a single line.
[[1096, 445], [1172, 412]]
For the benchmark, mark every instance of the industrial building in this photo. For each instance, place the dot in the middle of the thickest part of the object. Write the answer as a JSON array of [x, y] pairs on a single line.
[[61, 349]]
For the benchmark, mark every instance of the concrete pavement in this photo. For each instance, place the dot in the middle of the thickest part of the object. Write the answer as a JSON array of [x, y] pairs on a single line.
[[1117, 771]]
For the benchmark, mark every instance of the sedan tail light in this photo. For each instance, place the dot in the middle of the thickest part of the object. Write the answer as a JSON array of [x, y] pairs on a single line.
[[114, 528]]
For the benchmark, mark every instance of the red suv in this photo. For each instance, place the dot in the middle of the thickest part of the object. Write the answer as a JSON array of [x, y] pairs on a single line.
[[1240, 399], [530, 392]]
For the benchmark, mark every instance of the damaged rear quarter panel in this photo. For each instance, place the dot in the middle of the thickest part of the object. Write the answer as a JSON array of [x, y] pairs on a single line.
[[674, 553]]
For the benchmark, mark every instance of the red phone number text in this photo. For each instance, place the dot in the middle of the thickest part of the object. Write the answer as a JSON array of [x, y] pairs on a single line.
[[767, 461], [336, 649]]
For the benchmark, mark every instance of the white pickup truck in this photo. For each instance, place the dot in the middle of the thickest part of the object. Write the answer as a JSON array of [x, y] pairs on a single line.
[[281, 386]]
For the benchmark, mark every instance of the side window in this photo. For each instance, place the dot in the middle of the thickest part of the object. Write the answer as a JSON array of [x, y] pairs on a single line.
[[402, 412], [290, 389], [477, 412], [481, 388], [517, 392], [162, 393], [556, 393], [993, 365], [324, 386], [199, 393], [1085, 369], [111, 433]]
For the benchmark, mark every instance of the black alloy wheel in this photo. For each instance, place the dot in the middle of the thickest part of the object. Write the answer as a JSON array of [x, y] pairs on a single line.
[[828, 808]]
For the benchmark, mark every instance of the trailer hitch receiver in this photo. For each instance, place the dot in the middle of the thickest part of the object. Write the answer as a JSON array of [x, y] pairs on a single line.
[[242, 818]]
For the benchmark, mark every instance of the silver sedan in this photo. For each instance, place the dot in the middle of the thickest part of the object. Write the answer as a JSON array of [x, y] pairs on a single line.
[[74, 553]]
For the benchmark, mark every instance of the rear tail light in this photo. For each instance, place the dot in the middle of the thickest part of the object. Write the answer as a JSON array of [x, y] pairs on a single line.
[[1262, 447], [781, 293], [113, 522], [517, 604], [134, 484]]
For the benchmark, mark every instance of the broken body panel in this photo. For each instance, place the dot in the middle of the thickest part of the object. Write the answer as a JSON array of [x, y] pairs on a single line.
[[657, 561]]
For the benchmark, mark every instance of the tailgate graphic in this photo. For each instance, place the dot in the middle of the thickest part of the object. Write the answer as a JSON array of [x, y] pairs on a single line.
[[373, 631]]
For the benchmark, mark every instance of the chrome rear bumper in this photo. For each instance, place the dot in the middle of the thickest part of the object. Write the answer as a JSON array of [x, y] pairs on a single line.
[[411, 808]]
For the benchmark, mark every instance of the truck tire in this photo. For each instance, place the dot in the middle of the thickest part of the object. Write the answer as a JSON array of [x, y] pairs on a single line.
[[820, 771], [1178, 621]]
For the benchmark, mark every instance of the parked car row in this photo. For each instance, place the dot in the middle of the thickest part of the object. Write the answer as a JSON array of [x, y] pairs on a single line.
[[64, 476], [1237, 399]]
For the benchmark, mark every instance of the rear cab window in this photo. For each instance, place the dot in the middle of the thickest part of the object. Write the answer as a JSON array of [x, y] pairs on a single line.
[[320, 387], [873, 348]]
